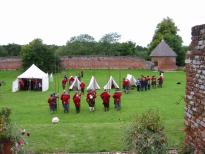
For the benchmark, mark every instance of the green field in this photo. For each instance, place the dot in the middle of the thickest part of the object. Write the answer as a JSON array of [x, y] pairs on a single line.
[[97, 131]]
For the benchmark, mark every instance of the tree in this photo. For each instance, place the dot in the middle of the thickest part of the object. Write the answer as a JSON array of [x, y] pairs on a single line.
[[110, 38], [167, 30], [3, 52], [82, 38], [40, 54], [13, 49]]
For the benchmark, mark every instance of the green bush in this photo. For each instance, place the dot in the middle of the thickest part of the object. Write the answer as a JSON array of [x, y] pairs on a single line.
[[145, 134]]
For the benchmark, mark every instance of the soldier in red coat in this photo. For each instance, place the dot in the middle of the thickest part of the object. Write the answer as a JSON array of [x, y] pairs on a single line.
[[126, 84], [50, 103], [117, 99], [105, 96], [160, 81], [91, 100], [76, 100], [65, 98], [153, 81], [64, 81], [82, 87], [71, 79]]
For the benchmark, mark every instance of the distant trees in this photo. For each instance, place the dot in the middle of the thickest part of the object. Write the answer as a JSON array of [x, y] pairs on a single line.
[[10, 50], [40, 54], [167, 30], [108, 45]]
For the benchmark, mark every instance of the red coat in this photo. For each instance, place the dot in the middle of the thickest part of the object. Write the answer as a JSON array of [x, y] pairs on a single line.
[[76, 100], [105, 97], [65, 98], [50, 101], [126, 83], [91, 98], [82, 85], [64, 81], [160, 78], [117, 97], [71, 80]]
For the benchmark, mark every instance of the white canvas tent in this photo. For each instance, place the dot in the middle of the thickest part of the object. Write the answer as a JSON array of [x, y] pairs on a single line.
[[76, 84], [111, 84], [131, 79], [93, 85], [33, 72]]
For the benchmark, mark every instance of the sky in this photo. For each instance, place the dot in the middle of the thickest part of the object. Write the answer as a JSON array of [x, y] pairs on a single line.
[[56, 21]]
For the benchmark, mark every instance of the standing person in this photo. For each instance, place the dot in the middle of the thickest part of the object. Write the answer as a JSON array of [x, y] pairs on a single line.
[[126, 84], [117, 99], [54, 99], [64, 81], [123, 84], [160, 81], [65, 98], [81, 73], [50, 103], [148, 82], [82, 87], [76, 100], [105, 96], [71, 79], [145, 83], [142, 83], [138, 84], [90, 100], [154, 81]]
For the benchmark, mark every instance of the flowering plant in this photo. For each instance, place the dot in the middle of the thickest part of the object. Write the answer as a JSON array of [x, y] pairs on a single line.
[[10, 132], [20, 140]]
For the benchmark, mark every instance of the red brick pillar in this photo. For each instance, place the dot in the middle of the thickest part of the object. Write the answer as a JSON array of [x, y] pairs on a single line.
[[195, 91]]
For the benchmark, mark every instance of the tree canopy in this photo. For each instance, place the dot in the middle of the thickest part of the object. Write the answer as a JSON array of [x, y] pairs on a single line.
[[167, 30], [40, 54]]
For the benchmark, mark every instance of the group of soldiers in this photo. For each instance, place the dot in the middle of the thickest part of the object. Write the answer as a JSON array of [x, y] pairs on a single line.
[[144, 83], [90, 99]]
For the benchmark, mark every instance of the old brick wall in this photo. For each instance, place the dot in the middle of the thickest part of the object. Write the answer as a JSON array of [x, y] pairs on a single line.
[[195, 91], [86, 62], [11, 63], [165, 63]]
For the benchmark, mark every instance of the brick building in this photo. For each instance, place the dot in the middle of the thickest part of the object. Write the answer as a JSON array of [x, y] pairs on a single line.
[[163, 57]]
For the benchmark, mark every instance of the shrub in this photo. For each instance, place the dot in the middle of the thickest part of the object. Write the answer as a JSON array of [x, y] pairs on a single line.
[[145, 134]]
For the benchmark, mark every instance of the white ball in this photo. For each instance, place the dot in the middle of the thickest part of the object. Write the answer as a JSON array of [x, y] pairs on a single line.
[[55, 120]]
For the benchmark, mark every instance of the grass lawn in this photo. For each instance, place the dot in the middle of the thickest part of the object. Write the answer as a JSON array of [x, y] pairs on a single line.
[[98, 131]]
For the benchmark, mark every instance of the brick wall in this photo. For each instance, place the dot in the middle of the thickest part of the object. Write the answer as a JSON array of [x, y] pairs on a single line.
[[86, 62], [195, 91], [11, 63]]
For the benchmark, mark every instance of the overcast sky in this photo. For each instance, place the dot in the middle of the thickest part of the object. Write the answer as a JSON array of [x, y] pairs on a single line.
[[55, 21]]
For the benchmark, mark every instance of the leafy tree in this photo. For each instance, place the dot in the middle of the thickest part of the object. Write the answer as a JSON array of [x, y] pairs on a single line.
[[110, 38], [3, 52], [167, 30], [82, 38], [40, 54], [13, 49]]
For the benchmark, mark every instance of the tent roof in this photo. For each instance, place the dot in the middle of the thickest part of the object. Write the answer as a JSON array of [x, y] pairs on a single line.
[[132, 79], [111, 82], [76, 83], [163, 50], [33, 72], [93, 85]]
